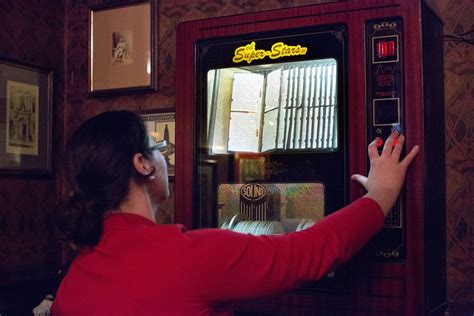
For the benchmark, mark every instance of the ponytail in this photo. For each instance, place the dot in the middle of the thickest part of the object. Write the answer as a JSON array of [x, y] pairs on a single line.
[[81, 220], [99, 157]]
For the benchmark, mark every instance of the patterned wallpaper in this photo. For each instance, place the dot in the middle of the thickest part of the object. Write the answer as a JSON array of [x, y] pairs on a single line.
[[458, 16], [31, 31], [34, 31]]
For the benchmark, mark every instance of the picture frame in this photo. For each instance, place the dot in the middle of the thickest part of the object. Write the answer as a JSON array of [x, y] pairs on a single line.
[[123, 48], [161, 125], [26, 93]]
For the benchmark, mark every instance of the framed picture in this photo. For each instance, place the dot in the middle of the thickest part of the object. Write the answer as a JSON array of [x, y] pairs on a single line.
[[25, 118], [122, 48], [161, 126]]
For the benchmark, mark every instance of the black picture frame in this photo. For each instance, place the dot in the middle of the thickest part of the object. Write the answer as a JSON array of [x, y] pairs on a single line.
[[26, 96], [123, 48]]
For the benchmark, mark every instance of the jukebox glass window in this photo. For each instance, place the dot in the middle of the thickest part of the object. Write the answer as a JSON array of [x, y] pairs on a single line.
[[282, 107]]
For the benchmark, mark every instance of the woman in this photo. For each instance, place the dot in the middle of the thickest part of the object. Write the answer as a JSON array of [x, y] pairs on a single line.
[[128, 265]]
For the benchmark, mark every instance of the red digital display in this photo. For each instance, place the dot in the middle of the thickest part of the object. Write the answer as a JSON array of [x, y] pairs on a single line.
[[385, 49]]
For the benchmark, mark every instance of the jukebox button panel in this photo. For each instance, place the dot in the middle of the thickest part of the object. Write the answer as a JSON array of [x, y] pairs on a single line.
[[385, 112]]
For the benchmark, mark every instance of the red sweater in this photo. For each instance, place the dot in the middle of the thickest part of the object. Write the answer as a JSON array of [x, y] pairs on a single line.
[[140, 268]]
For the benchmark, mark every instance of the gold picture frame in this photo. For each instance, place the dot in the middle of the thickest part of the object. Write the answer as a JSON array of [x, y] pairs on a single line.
[[122, 48]]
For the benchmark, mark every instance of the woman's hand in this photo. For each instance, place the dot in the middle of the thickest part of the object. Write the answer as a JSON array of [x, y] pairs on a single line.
[[387, 172]]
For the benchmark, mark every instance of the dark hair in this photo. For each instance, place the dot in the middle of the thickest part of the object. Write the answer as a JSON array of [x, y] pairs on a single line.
[[100, 165]]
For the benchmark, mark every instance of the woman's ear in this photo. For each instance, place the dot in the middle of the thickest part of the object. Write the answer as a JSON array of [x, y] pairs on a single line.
[[142, 165]]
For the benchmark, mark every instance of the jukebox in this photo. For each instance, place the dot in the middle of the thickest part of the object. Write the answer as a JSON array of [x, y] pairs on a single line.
[[274, 111]]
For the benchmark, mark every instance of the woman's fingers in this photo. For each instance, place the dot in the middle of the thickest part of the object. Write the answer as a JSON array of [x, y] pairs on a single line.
[[388, 147], [409, 158], [372, 149], [361, 179], [397, 148]]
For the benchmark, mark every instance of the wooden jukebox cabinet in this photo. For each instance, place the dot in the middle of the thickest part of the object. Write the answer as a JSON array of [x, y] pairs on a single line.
[[274, 111]]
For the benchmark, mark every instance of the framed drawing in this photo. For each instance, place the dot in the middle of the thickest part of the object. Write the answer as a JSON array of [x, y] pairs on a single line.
[[122, 48], [161, 126], [25, 118]]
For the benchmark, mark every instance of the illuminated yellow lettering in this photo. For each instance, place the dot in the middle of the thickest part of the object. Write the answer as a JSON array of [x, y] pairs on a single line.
[[238, 55], [276, 53], [248, 52]]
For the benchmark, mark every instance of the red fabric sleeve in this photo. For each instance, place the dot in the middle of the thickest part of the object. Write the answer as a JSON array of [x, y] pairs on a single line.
[[225, 265]]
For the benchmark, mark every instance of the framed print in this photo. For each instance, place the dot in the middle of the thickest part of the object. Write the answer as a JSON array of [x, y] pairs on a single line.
[[25, 118], [161, 126], [122, 48]]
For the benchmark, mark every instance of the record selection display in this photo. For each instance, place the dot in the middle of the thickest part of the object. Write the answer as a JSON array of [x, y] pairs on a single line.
[[280, 107]]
